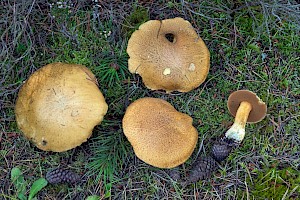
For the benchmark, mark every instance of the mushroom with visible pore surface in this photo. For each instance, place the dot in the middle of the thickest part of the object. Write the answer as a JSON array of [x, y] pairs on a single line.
[[246, 106]]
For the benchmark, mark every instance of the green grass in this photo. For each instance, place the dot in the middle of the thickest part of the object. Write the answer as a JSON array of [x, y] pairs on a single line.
[[250, 49]]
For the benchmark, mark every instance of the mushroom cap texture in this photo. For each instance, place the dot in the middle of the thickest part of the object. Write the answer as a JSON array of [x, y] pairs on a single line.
[[181, 65], [259, 108], [59, 105], [160, 135]]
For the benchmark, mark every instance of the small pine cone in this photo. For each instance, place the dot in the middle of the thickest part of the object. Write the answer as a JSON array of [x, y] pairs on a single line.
[[59, 175], [222, 148], [174, 173], [201, 169], [220, 151]]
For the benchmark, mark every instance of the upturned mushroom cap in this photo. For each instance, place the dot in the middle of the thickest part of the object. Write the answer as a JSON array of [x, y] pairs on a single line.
[[59, 105], [168, 55], [160, 135], [259, 108]]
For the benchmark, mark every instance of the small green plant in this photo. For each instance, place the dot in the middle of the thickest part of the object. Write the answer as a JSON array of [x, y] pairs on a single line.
[[19, 182], [112, 70], [93, 197], [110, 153]]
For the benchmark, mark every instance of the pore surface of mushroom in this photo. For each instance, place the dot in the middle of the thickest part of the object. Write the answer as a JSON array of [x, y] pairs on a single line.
[[160, 135], [59, 105], [168, 55], [246, 106]]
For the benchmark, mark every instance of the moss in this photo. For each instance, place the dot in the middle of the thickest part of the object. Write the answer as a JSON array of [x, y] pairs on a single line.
[[247, 24], [274, 183], [21, 48], [132, 22]]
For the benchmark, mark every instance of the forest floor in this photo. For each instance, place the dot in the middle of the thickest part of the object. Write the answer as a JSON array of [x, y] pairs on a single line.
[[254, 45]]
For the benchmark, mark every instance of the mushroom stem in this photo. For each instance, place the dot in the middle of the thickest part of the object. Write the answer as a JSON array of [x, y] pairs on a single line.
[[237, 130]]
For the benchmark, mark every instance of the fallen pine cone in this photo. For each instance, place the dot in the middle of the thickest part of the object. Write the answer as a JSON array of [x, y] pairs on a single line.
[[205, 166], [201, 169], [221, 149], [59, 175]]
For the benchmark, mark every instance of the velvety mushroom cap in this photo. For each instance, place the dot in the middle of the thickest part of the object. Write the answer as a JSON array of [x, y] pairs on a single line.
[[168, 55], [259, 108], [160, 135], [59, 105]]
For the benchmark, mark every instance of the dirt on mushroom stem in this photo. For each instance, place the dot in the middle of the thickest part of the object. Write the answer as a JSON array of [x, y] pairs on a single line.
[[240, 104], [237, 130], [205, 166], [246, 106]]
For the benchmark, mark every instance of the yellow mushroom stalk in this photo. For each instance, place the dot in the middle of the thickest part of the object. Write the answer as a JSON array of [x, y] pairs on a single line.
[[246, 106], [237, 130]]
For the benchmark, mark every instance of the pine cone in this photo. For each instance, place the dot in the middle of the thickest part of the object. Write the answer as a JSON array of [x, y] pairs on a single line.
[[59, 175], [201, 169], [174, 173], [221, 149]]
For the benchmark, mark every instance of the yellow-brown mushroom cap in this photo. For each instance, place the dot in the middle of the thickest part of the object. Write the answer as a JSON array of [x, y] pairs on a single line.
[[258, 110], [160, 135], [59, 105], [168, 55]]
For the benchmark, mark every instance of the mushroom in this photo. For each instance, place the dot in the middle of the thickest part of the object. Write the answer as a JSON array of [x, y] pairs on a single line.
[[246, 106], [168, 55], [59, 105], [160, 135]]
